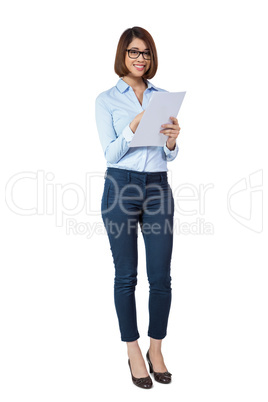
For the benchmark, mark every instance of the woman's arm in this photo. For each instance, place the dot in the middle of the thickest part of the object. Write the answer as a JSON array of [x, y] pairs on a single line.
[[135, 122], [172, 131], [114, 147], [171, 155]]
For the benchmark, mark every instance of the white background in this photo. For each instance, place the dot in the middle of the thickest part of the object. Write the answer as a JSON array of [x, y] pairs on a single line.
[[60, 339]]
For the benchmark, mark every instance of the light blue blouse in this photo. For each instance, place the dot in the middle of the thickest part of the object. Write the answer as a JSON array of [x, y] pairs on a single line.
[[114, 111]]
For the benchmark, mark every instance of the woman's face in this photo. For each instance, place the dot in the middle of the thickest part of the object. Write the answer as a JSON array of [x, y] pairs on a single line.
[[139, 66]]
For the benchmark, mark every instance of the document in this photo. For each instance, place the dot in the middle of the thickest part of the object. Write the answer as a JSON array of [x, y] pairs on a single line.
[[161, 106]]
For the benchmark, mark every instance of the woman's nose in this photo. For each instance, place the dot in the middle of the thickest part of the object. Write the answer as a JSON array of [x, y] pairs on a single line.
[[141, 58]]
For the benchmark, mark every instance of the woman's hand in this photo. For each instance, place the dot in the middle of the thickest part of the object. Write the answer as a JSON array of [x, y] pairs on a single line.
[[172, 131], [135, 122]]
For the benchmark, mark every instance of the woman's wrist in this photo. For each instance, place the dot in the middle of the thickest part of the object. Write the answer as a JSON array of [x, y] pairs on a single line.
[[133, 126], [171, 146]]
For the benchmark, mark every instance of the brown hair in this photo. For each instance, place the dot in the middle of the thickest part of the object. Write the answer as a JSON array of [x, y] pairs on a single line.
[[126, 38]]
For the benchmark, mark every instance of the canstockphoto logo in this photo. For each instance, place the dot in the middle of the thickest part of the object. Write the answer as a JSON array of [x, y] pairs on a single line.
[[245, 201]]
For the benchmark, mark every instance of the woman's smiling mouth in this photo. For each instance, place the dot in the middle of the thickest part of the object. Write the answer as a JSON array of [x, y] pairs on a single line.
[[139, 67]]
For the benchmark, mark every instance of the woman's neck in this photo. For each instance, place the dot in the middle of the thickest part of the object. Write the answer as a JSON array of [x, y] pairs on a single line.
[[138, 84]]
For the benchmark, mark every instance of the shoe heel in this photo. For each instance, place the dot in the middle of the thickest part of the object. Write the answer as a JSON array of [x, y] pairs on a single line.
[[150, 368], [164, 378], [149, 363]]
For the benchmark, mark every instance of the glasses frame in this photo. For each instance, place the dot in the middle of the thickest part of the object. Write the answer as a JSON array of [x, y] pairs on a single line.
[[139, 53]]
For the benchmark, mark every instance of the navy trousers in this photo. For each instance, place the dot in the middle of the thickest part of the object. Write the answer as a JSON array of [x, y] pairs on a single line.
[[131, 198]]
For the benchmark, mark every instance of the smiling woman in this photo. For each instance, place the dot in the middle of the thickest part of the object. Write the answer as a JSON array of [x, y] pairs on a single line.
[[137, 192], [132, 39]]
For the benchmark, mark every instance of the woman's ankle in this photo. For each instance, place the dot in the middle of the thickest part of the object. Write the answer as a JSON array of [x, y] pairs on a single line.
[[155, 346]]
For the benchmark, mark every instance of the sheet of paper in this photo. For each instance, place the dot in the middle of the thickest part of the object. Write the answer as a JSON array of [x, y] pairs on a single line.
[[162, 105]]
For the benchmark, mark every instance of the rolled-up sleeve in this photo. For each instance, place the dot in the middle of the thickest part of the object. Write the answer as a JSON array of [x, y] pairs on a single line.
[[171, 155], [128, 134], [114, 147]]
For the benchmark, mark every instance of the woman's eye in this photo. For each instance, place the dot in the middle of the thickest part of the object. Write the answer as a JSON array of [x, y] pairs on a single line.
[[133, 52]]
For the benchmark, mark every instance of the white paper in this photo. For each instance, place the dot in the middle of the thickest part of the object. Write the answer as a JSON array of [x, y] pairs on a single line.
[[162, 105]]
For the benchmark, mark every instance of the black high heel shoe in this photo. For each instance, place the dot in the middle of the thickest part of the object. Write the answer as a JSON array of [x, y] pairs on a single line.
[[144, 382], [163, 378]]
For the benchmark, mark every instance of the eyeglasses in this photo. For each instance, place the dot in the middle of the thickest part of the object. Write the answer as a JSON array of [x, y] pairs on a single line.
[[134, 54]]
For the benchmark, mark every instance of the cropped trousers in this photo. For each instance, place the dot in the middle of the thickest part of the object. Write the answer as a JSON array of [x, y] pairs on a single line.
[[133, 199]]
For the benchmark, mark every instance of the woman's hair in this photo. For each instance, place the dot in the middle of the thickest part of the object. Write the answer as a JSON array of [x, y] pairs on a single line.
[[126, 38]]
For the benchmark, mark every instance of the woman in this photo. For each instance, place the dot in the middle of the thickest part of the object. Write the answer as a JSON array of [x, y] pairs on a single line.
[[137, 192]]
